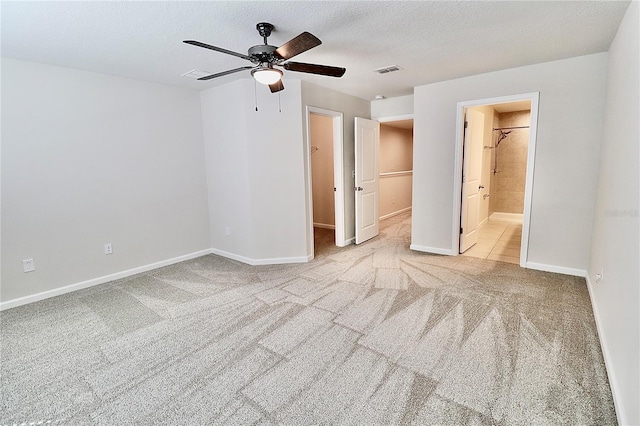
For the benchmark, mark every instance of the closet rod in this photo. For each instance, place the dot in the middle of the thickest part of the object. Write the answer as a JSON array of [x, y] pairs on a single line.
[[508, 128]]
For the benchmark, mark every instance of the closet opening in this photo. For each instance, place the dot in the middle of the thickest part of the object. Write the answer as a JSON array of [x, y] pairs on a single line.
[[325, 168]]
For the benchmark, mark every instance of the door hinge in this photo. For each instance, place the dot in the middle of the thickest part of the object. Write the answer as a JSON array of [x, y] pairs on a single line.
[[461, 230], [466, 124]]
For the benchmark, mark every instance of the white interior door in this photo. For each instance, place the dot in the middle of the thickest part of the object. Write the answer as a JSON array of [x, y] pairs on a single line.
[[471, 175], [367, 136]]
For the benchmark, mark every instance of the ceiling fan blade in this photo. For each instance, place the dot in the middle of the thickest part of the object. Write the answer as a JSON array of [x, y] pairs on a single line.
[[217, 49], [220, 74], [315, 69], [297, 45], [276, 87]]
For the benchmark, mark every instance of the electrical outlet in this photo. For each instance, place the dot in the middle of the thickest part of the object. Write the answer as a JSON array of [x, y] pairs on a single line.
[[227, 231], [600, 276], [108, 249], [28, 265]]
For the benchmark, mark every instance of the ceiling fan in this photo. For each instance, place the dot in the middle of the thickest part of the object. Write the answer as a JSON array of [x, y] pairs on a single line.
[[265, 57]]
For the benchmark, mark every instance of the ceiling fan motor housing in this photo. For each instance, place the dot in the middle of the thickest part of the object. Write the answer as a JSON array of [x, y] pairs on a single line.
[[263, 53]]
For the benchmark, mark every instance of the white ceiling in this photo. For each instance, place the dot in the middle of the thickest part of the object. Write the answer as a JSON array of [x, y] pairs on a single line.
[[431, 41]]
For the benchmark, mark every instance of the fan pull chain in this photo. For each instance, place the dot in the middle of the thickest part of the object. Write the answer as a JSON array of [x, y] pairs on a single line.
[[255, 93], [279, 104]]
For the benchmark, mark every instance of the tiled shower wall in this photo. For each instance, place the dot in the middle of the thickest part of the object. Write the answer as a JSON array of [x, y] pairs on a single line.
[[507, 186]]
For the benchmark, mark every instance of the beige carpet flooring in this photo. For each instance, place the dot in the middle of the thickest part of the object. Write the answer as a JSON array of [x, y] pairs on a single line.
[[373, 334]]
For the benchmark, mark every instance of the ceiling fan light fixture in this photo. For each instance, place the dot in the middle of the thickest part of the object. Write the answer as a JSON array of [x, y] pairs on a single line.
[[266, 75]]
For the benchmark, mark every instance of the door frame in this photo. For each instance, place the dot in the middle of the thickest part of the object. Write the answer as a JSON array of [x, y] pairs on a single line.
[[534, 97], [338, 176]]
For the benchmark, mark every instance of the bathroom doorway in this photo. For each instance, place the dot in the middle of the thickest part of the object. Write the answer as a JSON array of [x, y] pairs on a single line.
[[494, 216]]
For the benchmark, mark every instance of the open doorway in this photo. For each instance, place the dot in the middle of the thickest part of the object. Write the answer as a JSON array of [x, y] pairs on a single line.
[[322, 186], [326, 182], [496, 147], [396, 167], [322, 180]]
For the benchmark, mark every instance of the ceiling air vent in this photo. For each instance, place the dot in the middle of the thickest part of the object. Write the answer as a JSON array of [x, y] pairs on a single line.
[[385, 70], [195, 74]]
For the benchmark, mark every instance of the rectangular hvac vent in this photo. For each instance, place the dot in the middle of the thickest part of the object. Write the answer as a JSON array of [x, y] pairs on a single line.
[[195, 74], [385, 70]]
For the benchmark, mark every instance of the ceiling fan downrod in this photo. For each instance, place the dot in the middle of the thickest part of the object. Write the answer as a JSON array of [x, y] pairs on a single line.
[[264, 29]]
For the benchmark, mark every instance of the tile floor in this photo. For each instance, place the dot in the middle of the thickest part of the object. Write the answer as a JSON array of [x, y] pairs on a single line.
[[498, 240]]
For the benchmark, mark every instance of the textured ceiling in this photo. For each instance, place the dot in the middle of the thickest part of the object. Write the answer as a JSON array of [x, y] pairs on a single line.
[[429, 41]]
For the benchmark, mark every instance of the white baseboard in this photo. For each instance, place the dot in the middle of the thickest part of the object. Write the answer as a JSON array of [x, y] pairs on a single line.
[[146, 268], [434, 250], [613, 382], [397, 212], [507, 217], [323, 225], [557, 269], [269, 261], [100, 280], [481, 224]]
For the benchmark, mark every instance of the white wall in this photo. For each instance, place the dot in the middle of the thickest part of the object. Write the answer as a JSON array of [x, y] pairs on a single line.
[[255, 172], [569, 129], [351, 107], [226, 143], [396, 149], [395, 195], [398, 106], [89, 159], [616, 231]]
